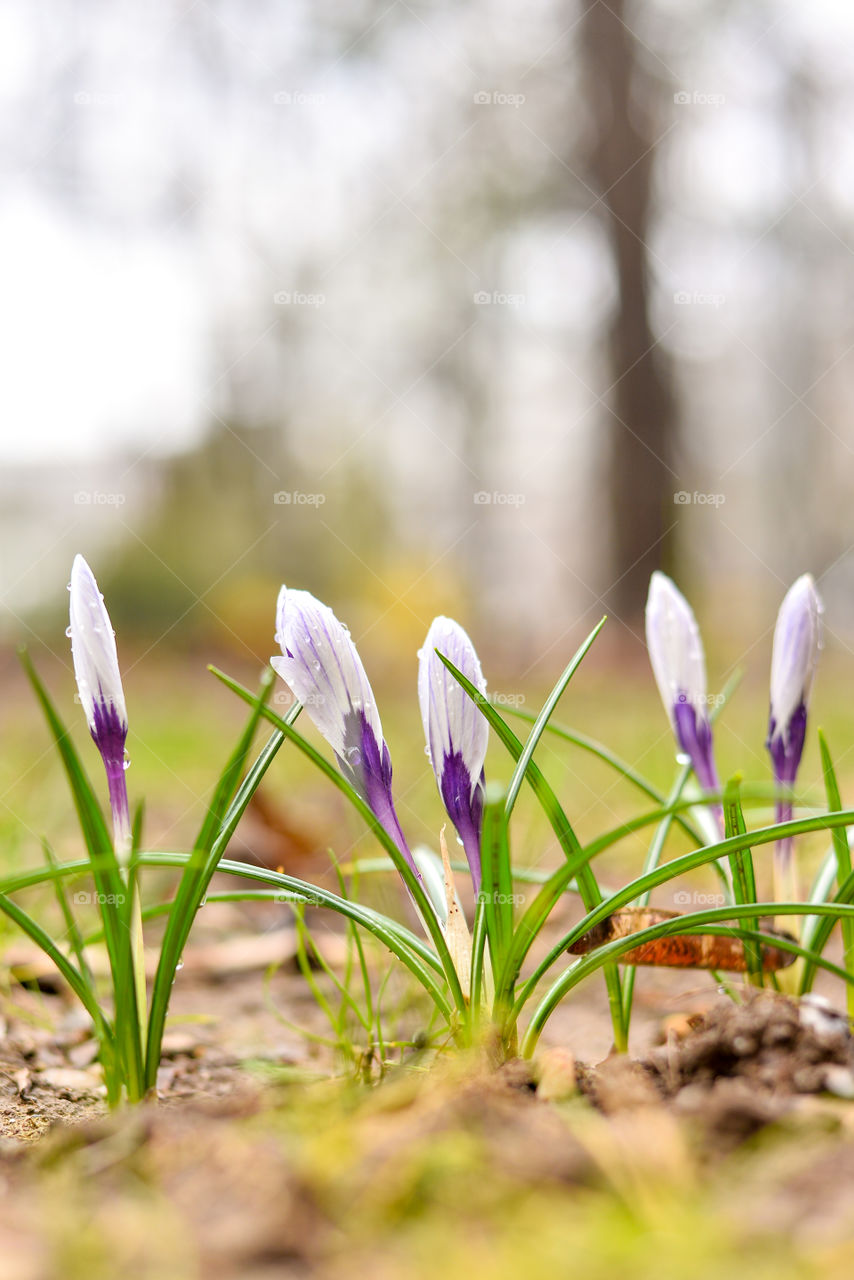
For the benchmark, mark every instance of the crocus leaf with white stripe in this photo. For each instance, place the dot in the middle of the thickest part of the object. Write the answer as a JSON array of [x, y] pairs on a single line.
[[679, 665], [322, 668], [457, 734], [794, 656], [99, 683]]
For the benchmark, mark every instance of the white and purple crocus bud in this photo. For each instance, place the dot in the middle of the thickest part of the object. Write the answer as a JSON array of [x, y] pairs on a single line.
[[323, 670], [457, 733], [679, 665], [797, 641], [99, 682]]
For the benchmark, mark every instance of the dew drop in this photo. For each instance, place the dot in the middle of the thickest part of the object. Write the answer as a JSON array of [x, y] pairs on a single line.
[[68, 632], [126, 761], [354, 756], [682, 758], [68, 586], [180, 964]]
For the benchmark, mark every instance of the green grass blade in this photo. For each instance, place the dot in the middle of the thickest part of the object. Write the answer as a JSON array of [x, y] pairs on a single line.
[[620, 766], [45, 943], [651, 861], [412, 882], [200, 869], [842, 854], [661, 875], [530, 925], [741, 868], [109, 885], [229, 779], [543, 718], [496, 891], [414, 954], [72, 929], [696, 922]]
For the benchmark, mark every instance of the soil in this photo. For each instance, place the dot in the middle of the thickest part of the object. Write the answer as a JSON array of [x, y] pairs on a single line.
[[255, 1161], [734, 1069]]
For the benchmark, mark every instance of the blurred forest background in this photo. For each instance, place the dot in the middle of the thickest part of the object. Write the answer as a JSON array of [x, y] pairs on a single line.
[[474, 307]]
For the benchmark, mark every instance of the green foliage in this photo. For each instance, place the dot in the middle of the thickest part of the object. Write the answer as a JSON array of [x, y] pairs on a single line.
[[502, 997]]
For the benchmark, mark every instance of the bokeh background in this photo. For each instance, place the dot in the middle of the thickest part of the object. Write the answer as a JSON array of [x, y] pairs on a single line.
[[473, 307]]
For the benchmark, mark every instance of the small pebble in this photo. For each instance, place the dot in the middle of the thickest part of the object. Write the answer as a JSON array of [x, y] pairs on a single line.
[[839, 1080]]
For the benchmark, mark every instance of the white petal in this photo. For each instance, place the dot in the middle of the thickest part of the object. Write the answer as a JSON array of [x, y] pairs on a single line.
[[321, 666], [451, 720], [674, 644], [797, 641], [93, 645]]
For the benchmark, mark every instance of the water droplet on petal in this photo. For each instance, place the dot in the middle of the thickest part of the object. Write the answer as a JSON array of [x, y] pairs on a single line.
[[354, 756], [68, 632], [682, 758]]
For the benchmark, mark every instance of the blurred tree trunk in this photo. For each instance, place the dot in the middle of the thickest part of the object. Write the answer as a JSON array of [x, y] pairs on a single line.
[[642, 423]]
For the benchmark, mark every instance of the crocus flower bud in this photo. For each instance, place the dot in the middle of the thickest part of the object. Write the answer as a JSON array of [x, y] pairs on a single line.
[[323, 670], [797, 640], [679, 665], [99, 682], [456, 732]]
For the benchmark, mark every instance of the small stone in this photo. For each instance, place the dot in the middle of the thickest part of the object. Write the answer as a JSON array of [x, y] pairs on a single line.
[[839, 1081], [178, 1042], [826, 1023], [70, 1080]]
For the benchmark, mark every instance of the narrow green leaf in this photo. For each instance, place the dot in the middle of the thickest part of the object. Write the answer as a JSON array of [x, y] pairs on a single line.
[[216, 831], [696, 922], [410, 879], [741, 867], [533, 918], [543, 718], [414, 954], [842, 855]]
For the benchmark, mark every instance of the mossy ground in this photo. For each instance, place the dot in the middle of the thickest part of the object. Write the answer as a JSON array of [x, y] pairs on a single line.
[[441, 1167]]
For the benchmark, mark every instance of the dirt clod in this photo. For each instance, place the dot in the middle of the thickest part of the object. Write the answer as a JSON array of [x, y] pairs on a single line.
[[777, 1045]]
